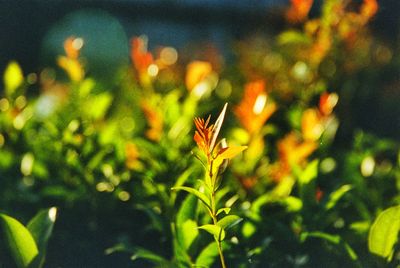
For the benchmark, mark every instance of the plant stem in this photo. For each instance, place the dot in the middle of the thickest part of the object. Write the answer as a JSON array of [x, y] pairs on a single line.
[[215, 220], [221, 256]]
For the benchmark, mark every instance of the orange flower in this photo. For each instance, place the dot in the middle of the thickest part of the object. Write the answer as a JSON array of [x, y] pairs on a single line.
[[196, 72], [132, 155], [327, 102], [311, 124], [141, 58], [368, 9], [71, 63], [292, 151], [298, 10], [154, 120], [254, 109]]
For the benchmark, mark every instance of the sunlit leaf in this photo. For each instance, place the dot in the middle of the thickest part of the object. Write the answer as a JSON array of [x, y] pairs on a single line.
[[229, 221], [335, 196], [203, 198], [384, 232], [310, 173], [217, 231], [19, 240], [13, 78]]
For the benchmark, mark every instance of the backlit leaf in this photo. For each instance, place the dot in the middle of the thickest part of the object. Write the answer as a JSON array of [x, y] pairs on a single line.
[[19, 240], [384, 232]]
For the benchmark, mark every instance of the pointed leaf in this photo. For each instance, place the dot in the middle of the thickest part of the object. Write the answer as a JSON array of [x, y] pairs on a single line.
[[203, 198], [19, 240], [384, 232], [217, 231], [217, 126], [41, 227], [229, 221]]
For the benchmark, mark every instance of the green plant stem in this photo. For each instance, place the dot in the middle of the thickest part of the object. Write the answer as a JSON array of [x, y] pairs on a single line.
[[215, 220]]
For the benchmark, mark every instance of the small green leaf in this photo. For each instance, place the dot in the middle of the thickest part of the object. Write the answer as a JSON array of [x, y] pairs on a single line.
[[309, 173], [217, 231], [141, 253], [335, 196], [226, 210], [384, 232], [19, 240], [229, 221], [293, 37], [207, 256], [13, 78], [203, 198], [41, 227]]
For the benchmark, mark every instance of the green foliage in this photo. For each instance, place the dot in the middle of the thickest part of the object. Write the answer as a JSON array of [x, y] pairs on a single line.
[[384, 233]]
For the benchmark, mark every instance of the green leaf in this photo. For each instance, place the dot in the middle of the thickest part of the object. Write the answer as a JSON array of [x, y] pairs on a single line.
[[41, 227], [141, 253], [335, 196], [293, 37], [226, 210], [207, 256], [229, 221], [203, 198], [384, 232], [13, 78], [309, 173], [217, 231], [186, 226], [97, 105], [19, 240]]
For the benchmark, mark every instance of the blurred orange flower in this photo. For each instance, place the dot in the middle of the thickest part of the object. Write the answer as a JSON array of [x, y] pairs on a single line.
[[132, 155], [327, 102], [292, 151], [154, 121], [311, 124], [70, 63], [141, 58], [368, 9], [254, 109], [196, 72], [298, 10]]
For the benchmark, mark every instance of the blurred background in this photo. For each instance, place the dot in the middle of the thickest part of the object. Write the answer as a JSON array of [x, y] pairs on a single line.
[[32, 33]]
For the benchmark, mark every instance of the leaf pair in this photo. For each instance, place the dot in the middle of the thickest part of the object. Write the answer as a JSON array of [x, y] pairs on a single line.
[[27, 245]]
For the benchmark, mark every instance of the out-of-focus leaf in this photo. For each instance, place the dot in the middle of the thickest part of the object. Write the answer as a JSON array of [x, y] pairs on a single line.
[[19, 240], [141, 253], [384, 232], [203, 198], [207, 256], [229, 221], [309, 173], [13, 78], [335, 196], [293, 37], [217, 231], [186, 226], [96, 106]]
